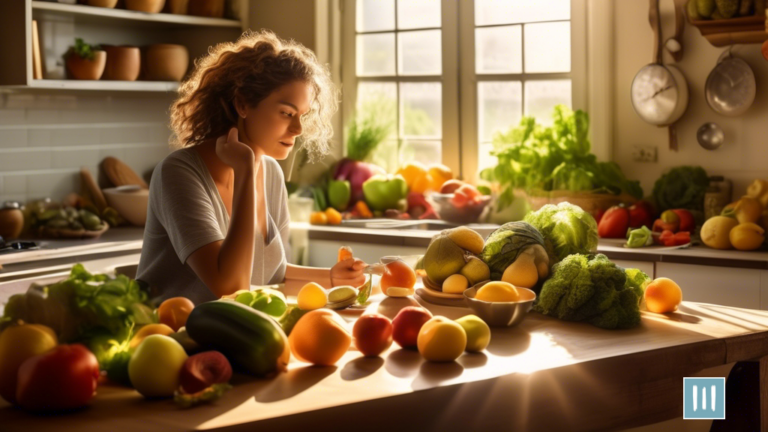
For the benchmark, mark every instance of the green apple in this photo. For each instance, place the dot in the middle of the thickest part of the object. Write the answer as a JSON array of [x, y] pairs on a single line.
[[478, 332], [154, 367], [384, 192], [339, 193]]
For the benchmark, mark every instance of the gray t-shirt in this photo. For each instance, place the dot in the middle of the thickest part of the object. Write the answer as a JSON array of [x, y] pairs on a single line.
[[186, 212]]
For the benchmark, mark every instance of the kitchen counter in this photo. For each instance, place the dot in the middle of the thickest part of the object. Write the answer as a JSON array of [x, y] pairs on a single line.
[[699, 255], [544, 374]]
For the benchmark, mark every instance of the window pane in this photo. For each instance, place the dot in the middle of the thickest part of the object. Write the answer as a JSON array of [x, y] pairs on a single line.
[[420, 53], [488, 12], [500, 106], [418, 14], [375, 15], [498, 50], [485, 160], [378, 100], [548, 47], [542, 96], [386, 156], [421, 110], [426, 152], [376, 54]]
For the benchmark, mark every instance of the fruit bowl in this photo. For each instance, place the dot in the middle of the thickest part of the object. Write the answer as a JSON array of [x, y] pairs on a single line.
[[469, 213], [499, 314]]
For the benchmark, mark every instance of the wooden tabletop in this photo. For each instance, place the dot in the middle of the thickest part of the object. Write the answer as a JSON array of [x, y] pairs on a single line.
[[541, 375]]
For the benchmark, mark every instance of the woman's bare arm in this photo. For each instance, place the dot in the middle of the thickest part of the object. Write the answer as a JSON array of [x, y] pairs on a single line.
[[225, 266]]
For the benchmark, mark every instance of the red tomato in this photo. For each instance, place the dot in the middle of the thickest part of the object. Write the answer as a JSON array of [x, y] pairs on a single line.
[[599, 215], [614, 223], [62, 378]]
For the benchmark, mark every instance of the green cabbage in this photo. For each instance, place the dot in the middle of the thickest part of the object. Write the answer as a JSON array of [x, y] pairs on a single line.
[[507, 242], [566, 228], [682, 187]]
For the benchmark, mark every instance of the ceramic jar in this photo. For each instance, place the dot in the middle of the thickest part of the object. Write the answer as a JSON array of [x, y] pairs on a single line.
[[149, 6], [206, 8], [11, 220], [166, 62], [123, 63], [103, 3], [84, 69], [178, 7]]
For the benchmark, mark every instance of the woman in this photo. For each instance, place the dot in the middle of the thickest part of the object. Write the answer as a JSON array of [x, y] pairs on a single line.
[[218, 218]]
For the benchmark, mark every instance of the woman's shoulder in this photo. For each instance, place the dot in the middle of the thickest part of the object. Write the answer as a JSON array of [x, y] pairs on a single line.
[[274, 171], [178, 165]]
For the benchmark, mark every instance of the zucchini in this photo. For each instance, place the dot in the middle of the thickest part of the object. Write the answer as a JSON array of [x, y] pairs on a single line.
[[250, 339]]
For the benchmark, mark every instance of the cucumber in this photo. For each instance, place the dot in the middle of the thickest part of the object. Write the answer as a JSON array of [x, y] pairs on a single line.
[[250, 339]]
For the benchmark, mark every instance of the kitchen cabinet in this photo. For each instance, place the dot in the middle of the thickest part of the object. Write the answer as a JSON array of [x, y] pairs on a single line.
[[59, 24], [735, 287]]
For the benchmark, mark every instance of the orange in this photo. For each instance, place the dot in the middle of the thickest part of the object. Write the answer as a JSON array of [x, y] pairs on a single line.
[[416, 177], [439, 174], [421, 184], [398, 274], [174, 312], [333, 216], [318, 218], [663, 295], [320, 337]]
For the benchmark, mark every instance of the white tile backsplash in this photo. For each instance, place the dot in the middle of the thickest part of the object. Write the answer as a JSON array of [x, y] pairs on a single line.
[[46, 138], [13, 138], [21, 160]]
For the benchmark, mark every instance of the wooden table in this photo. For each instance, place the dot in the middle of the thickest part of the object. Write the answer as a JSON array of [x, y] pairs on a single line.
[[542, 375]]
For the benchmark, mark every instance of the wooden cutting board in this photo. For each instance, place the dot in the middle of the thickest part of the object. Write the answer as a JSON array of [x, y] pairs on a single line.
[[120, 174]]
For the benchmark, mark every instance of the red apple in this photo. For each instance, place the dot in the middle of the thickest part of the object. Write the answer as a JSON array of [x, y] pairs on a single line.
[[373, 334], [407, 323], [63, 378]]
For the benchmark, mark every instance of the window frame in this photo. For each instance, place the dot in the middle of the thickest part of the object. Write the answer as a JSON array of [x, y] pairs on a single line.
[[460, 138]]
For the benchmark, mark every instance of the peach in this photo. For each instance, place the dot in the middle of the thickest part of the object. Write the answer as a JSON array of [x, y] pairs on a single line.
[[373, 334], [441, 340], [174, 312], [320, 337], [407, 323], [398, 274], [663, 295]]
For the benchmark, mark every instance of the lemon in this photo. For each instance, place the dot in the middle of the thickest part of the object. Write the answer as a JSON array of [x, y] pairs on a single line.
[[498, 292], [312, 296]]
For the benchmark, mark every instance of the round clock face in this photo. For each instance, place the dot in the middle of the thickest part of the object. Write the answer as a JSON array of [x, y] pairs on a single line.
[[655, 94]]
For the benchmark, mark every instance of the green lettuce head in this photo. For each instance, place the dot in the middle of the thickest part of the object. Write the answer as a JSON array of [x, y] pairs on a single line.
[[567, 229]]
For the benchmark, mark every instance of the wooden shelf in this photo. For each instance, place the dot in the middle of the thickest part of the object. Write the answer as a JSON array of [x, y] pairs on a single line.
[[101, 85], [83, 13]]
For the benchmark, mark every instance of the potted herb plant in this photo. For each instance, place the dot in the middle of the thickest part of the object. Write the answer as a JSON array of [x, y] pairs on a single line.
[[84, 61]]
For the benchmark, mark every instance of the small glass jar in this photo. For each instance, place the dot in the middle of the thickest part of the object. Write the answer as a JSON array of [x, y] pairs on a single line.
[[718, 196]]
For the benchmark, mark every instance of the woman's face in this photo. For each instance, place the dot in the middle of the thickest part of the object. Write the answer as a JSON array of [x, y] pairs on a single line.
[[271, 127]]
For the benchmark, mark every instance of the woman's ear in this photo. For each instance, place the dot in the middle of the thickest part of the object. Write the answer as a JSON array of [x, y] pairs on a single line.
[[240, 107]]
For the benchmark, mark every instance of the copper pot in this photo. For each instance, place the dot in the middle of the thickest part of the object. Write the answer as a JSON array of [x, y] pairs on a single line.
[[149, 6], [206, 8], [123, 63], [84, 69], [166, 62]]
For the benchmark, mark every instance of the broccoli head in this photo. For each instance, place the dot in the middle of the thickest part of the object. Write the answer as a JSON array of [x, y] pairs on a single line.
[[590, 288]]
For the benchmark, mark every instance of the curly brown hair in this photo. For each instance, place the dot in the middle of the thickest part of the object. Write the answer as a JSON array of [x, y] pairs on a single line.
[[250, 69]]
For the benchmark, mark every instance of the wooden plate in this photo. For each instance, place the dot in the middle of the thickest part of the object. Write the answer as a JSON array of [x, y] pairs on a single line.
[[440, 294]]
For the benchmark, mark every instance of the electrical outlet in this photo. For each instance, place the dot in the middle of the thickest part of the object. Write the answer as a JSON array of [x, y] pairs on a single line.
[[644, 153]]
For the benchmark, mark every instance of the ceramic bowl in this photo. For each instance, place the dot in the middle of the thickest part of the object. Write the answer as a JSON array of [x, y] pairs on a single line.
[[123, 63], [130, 202], [165, 62], [148, 6], [500, 314]]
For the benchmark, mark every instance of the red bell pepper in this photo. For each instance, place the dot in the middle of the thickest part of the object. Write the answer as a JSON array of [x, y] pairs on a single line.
[[667, 238], [641, 213], [614, 223], [687, 223], [681, 238]]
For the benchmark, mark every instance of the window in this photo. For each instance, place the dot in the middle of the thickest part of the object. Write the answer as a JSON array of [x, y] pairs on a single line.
[[452, 73]]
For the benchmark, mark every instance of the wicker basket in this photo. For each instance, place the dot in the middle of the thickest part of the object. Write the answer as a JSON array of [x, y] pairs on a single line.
[[590, 202]]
